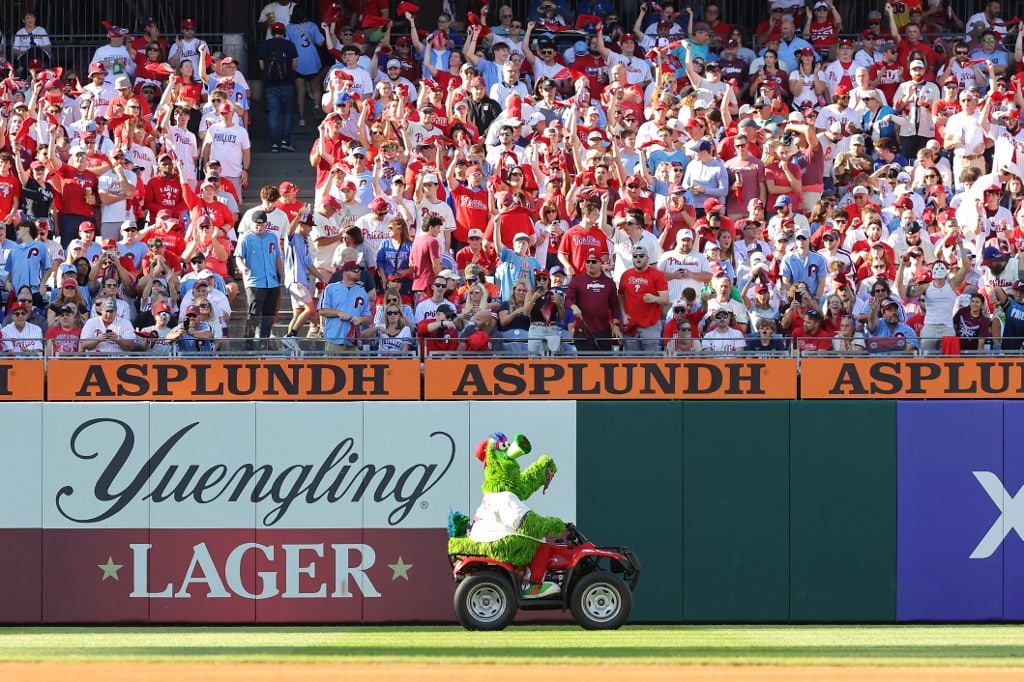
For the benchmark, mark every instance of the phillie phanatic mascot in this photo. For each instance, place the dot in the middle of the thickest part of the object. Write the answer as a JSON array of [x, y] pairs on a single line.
[[503, 527]]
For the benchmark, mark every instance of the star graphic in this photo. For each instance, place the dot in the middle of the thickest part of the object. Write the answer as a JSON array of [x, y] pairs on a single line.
[[400, 569], [110, 569]]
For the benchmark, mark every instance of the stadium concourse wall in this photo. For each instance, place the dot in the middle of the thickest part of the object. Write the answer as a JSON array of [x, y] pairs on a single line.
[[218, 492]]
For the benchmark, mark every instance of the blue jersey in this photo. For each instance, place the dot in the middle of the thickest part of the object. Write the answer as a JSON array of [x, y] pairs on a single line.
[[306, 36], [512, 269], [297, 260], [260, 255], [28, 263], [1013, 327], [352, 300]]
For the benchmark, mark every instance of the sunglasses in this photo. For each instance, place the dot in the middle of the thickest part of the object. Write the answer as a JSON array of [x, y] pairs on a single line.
[[880, 291], [204, 305], [439, 285], [21, 313], [592, 261], [392, 313]]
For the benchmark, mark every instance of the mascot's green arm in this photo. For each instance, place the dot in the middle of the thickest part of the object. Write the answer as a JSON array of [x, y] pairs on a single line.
[[534, 477]]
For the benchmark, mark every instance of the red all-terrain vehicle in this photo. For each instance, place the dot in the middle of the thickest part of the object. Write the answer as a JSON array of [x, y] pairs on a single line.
[[596, 585]]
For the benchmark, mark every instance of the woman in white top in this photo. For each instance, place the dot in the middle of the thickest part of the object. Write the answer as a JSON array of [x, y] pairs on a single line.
[[395, 334], [30, 36], [804, 82]]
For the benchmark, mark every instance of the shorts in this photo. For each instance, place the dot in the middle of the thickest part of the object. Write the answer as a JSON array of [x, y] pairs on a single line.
[[300, 294]]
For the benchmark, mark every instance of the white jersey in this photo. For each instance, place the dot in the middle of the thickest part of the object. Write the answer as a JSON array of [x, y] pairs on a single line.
[[374, 233], [226, 145], [144, 158], [499, 515], [94, 327], [118, 211], [323, 227], [187, 51], [835, 72], [116, 59], [277, 221], [362, 84], [674, 261], [102, 96], [638, 71], [27, 340], [184, 146]]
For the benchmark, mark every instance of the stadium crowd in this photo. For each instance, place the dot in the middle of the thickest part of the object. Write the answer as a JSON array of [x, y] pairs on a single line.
[[568, 180]]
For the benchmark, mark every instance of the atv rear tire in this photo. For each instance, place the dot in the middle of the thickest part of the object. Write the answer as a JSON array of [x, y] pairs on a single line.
[[601, 601], [485, 601]]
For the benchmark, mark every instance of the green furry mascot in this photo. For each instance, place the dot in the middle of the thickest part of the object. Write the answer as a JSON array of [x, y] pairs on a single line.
[[503, 527]]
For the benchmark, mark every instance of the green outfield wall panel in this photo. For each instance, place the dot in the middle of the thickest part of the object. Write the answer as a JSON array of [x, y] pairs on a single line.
[[736, 512], [843, 511], [629, 491]]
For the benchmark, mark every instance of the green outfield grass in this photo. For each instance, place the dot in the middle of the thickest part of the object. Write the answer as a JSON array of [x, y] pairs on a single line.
[[980, 645]]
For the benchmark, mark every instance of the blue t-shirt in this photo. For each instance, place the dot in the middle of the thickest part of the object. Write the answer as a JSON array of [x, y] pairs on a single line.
[[305, 37], [260, 254], [352, 300]]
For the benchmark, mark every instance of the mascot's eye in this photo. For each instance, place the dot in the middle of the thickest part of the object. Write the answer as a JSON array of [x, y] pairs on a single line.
[[501, 445]]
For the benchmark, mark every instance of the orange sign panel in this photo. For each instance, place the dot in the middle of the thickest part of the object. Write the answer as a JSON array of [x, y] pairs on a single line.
[[954, 377], [609, 378], [21, 380], [213, 379]]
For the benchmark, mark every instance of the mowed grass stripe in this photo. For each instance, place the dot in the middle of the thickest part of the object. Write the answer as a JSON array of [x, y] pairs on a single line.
[[979, 645]]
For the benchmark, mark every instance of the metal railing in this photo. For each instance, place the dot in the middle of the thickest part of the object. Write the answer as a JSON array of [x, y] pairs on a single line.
[[277, 346]]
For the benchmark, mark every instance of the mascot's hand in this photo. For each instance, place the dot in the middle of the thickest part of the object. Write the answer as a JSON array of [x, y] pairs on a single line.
[[549, 464]]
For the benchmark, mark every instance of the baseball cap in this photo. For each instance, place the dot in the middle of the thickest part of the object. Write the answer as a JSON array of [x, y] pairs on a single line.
[[259, 216], [109, 304], [991, 253], [812, 314], [705, 146], [277, 27], [108, 243], [712, 204], [429, 179], [856, 139], [783, 200], [86, 226], [161, 308], [122, 82], [476, 233], [447, 309], [287, 187], [640, 250], [917, 64], [802, 233], [860, 189], [521, 236], [685, 233], [378, 204]]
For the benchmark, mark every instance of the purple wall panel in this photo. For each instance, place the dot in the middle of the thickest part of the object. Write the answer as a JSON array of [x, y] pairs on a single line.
[[1013, 521], [944, 512]]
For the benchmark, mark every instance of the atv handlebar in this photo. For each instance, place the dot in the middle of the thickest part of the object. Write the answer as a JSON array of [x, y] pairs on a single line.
[[573, 536]]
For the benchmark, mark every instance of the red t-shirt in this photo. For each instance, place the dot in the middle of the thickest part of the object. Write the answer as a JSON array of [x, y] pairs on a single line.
[[443, 339], [578, 242], [485, 258], [164, 193], [290, 209], [513, 221], [633, 285], [10, 192], [73, 188], [470, 210], [425, 249], [810, 343], [64, 341]]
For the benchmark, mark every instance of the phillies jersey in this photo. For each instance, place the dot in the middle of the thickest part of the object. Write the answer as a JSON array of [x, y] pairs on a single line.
[[164, 193], [634, 285]]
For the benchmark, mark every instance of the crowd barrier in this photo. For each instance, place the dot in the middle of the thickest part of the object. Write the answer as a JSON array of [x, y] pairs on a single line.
[[470, 376]]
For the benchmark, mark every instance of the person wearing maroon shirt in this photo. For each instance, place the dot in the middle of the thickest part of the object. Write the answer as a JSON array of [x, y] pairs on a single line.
[[594, 302], [425, 258], [643, 292], [163, 191], [79, 191]]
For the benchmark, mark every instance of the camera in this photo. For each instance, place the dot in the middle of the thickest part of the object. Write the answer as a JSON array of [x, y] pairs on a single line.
[[799, 296], [789, 138], [892, 173]]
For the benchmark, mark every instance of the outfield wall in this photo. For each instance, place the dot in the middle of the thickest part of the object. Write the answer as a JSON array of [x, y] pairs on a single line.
[[740, 511]]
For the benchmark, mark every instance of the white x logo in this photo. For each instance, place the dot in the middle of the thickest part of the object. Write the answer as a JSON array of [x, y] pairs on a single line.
[[1011, 515]]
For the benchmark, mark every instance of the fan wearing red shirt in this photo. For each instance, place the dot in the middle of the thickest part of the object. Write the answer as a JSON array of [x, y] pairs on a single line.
[[823, 26], [10, 189], [515, 219], [328, 149], [675, 215], [586, 238], [206, 204], [169, 230], [633, 197], [79, 191], [809, 337], [439, 333], [289, 200], [163, 191], [470, 204], [643, 291]]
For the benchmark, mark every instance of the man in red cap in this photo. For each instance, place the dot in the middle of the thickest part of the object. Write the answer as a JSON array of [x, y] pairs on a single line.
[[842, 69], [289, 199], [840, 110], [633, 196], [79, 193], [163, 191], [187, 47], [328, 150]]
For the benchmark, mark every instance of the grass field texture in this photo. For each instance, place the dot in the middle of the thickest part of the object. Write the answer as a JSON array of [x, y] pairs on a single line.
[[980, 645]]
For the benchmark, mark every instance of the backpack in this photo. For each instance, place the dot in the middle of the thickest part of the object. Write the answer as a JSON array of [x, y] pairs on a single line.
[[276, 69]]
